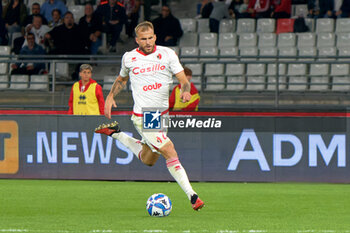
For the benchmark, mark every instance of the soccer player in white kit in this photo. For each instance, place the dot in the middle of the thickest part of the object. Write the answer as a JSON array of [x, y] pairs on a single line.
[[150, 69]]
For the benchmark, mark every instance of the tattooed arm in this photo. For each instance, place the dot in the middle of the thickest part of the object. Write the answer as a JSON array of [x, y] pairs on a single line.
[[117, 87], [185, 86]]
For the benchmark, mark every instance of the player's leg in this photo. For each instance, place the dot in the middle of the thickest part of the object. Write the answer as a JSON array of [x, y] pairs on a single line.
[[147, 156], [178, 172], [113, 130]]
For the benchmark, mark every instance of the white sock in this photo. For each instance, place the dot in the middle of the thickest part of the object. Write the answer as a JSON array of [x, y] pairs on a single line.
[[178, 172], [133, 144]]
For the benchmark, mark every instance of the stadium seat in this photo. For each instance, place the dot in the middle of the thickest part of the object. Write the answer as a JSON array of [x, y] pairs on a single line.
[[344, 52], [285, 26], [227, 40], [188, 25], [227, 26], [235, 69], [235, 83], [325, 52], [256, 83], [340, 69], [343, 39], [108, 81], [39, 82], [272, 69], [256, 69], [197, 68], [14, 36], [341, 83], [4, 50], [215, 83], [271, 83], [297, 83], [310, 23], [245, 25], [307, 52], [228, 51], [267, 40], [78, 12], [203, 25], [296, 69], [209, 51], [189, 39], [189, 51], [287, 52], [325, 39], [268, 51], [19, 82], [324, 25], [214, 69], [248, 51], [197, 81], [319, 83], [247, 40], [300, 10], [307, 39], [4, 81], [342, 25], [62, 69], [265, 25], [286, 40], [319, 69], [208, 39]]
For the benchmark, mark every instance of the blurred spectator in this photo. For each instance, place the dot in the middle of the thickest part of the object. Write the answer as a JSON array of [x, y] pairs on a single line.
[[49, 6], [86, 96], [132, 8], [113, 17], [31, 48], [66, 38], [35, 12], [3, 33], [220, 11], [320, 8], [14, 14], [56, 18], [91, 26], [206, 8], [167, 28], [282, 9], [38, 29], [176, 103], [239, 9], [344, 11], [259, 8]]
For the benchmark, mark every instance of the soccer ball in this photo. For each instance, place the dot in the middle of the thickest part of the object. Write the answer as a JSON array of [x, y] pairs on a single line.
[[159, 205]]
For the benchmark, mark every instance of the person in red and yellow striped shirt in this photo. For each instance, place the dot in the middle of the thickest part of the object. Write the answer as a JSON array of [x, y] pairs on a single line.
[[175, 102]]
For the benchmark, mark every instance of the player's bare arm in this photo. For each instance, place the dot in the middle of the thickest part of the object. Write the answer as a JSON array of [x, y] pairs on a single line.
[[185, 86], [118, 85]]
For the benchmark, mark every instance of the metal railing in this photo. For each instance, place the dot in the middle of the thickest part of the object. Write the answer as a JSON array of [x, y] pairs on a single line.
[[282, 81]]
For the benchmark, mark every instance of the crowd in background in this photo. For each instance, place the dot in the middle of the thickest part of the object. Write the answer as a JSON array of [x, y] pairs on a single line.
[[217, 10]]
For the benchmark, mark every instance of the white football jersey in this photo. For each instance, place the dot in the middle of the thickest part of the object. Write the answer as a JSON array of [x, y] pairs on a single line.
[[150, 76]]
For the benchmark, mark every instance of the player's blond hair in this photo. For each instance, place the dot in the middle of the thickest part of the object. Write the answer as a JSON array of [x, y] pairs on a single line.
[[143, 26]]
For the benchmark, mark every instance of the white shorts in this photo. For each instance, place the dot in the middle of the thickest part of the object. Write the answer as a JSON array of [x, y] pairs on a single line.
[[154, 140]]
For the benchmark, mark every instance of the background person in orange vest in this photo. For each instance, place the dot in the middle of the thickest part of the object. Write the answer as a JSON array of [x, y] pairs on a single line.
[[175, 102], [86, 96]]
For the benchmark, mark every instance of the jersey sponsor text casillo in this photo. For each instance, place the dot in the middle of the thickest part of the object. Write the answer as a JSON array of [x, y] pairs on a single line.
[[150, 76]]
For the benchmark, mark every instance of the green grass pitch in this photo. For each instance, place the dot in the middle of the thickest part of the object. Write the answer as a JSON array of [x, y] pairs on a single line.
[[62, 206]]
